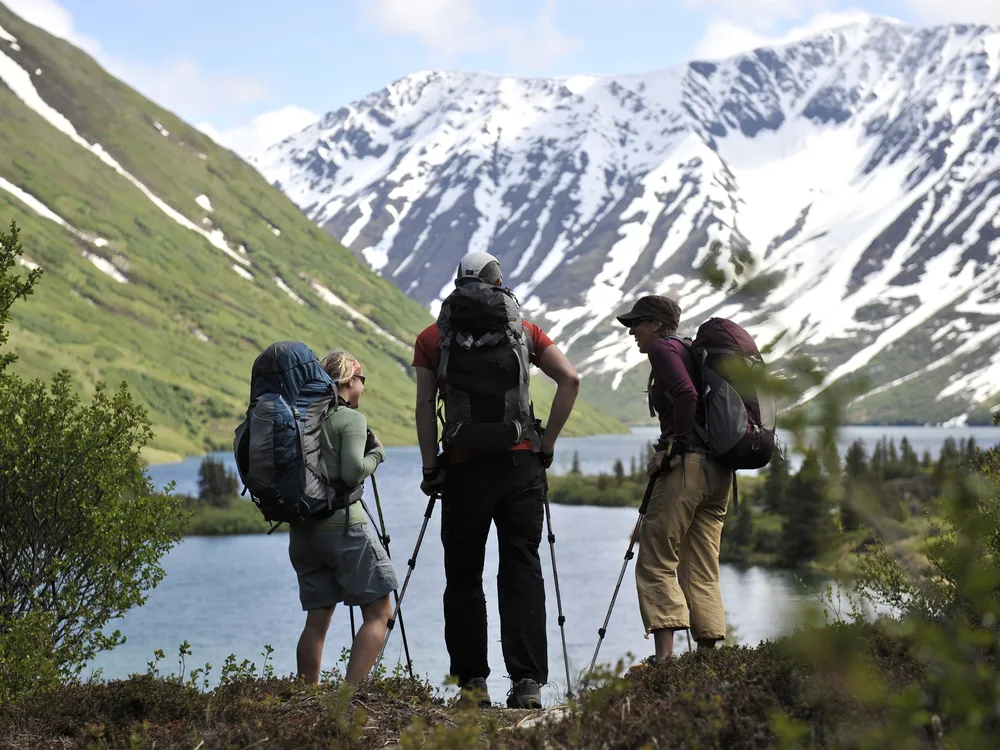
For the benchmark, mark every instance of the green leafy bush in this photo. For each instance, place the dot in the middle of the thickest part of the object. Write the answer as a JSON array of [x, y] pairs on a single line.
[[83, 528]]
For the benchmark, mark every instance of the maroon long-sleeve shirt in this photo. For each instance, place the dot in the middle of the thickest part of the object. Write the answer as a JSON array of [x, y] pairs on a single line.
[[673, 394]]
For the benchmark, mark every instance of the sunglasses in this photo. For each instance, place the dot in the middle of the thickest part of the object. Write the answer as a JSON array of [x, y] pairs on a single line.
[[361, 378]]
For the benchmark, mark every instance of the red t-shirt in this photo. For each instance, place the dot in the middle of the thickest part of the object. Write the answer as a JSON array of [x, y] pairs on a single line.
[[425, 354]]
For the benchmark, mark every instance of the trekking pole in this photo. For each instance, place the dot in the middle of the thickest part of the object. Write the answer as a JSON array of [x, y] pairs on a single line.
[[384, 538], [354, 633], [628, 556], [555, 580], [411, 563]]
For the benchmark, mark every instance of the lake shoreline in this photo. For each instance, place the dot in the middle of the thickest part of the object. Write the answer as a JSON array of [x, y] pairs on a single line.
[[246, 520], [160, 458]]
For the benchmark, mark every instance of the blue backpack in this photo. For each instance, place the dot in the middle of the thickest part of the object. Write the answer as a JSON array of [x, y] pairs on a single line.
[[277, 445]]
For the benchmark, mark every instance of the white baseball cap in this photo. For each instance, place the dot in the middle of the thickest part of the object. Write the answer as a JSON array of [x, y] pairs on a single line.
[[479, 265]]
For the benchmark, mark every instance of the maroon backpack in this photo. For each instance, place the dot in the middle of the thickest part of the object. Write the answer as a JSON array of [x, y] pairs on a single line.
[[735, 423]]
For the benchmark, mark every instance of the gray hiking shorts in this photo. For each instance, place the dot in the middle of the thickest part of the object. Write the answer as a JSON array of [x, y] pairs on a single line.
[[340, 565]]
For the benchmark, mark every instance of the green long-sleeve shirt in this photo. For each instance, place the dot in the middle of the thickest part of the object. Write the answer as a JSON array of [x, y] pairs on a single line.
[[345, 433]]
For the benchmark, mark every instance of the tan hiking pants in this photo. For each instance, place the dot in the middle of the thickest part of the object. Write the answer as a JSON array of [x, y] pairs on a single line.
[[677, 567]]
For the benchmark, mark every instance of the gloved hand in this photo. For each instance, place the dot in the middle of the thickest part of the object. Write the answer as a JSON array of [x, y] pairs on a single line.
[[433, 481], [372, 442], [655, 463], [547, 450], [662, 461]]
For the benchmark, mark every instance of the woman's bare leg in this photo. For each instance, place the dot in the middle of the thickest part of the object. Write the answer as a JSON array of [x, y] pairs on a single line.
[[309, 653], [368, 641]]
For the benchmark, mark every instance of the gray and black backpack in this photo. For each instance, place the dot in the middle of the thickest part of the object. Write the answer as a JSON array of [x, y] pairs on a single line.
[[277, 445], [484, 359], [735, 422]]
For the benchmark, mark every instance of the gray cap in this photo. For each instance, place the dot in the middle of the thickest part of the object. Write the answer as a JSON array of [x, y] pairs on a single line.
[[481, 266]]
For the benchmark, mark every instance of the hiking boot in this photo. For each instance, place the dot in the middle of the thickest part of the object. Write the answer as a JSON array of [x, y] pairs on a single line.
[[525, 693], [475, 689]]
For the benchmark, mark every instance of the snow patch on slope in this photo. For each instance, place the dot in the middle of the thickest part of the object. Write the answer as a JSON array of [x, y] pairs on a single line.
[[7, 36], [288, 290], [19, 82], [33, 203], [204, 202], [106, 266], [938, 286], [47, 213], [243, 272], [355, 229], [376, 258], [332, 299]]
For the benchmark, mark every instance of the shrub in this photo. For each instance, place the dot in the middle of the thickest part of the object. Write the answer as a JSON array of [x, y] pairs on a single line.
[[83, 528]]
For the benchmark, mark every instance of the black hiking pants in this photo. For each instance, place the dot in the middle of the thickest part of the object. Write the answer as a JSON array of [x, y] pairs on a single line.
[[508, 490]]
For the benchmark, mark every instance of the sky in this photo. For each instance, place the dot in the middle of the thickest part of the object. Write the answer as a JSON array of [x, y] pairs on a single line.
[[250, 72]]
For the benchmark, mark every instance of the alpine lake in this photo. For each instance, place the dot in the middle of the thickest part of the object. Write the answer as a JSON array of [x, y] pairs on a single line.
[[236, 594]]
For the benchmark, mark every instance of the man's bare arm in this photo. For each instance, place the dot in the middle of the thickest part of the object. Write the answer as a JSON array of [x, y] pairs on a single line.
[[554, 364], [426, 416]]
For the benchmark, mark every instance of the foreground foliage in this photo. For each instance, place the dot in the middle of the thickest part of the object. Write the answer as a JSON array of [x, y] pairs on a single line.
[[730, 698], [83, 528]]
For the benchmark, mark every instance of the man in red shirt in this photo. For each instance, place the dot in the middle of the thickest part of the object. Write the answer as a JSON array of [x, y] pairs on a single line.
[[505, 486]]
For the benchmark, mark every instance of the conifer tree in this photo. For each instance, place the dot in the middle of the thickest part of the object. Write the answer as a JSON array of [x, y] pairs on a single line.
[[807, 528], [776, 480]]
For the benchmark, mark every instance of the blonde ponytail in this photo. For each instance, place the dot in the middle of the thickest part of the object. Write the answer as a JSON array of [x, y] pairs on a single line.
[[340, 365]]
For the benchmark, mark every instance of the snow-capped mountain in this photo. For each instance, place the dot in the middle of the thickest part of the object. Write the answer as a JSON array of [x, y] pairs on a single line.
[[858, 170]]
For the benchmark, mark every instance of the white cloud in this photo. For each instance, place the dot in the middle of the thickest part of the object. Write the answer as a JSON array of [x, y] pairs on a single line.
[[761, 14], [55, 19], [957, 11], [723, 38], [179, 86], [185, 89], [449, 28], [264, 130]]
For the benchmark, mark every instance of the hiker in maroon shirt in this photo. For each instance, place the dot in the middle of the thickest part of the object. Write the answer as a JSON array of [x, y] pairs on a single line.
[[677, 567]]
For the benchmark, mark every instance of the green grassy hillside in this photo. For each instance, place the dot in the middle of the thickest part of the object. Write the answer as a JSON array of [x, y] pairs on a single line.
[[184, 328]]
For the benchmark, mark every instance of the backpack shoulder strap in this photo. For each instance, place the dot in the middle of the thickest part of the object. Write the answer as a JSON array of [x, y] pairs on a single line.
[[689, 345], [312, 435], [686, 341], [697, 378], [517, 338]]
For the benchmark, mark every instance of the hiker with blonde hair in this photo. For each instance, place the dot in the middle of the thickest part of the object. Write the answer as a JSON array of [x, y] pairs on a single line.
[[339, 558]]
